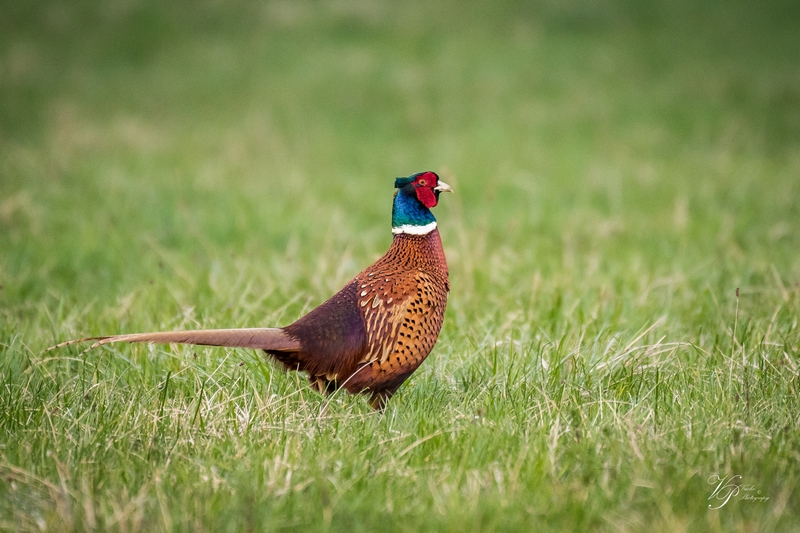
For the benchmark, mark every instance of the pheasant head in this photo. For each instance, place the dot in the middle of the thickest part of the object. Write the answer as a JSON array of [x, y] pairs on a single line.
[[413, 200]]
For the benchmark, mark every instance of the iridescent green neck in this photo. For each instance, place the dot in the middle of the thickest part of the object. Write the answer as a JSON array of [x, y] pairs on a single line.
[[409, 215]]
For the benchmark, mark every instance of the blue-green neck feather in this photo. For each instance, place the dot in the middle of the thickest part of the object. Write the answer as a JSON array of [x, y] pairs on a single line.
[[407, 210]]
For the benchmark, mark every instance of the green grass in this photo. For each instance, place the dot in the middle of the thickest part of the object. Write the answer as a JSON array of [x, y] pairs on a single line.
[[620, 168]]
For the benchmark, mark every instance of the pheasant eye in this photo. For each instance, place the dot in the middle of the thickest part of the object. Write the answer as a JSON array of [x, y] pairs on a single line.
[[423, 182]]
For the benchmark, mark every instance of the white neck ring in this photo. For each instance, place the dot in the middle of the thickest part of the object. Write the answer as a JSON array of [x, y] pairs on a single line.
[[414, 230]]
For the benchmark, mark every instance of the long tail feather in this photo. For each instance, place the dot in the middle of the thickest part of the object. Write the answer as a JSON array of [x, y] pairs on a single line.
[[274, 339]]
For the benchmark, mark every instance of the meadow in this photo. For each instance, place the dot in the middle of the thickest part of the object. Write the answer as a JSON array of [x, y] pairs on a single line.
[[621, 345]]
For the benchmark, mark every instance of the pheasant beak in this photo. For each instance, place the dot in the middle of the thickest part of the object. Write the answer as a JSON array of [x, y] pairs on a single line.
[[443, 187]]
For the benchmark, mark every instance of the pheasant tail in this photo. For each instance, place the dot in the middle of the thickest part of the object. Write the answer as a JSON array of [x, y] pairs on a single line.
[[272, 339]]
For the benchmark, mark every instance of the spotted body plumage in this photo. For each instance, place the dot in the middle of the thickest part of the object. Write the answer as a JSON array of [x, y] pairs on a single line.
[[375, 332], [401, 301]]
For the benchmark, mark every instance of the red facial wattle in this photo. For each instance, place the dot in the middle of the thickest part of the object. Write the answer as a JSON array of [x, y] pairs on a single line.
[[426, 196], [425, 184]]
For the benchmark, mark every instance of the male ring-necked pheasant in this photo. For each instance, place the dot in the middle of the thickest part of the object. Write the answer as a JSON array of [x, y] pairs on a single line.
[[371, 335]]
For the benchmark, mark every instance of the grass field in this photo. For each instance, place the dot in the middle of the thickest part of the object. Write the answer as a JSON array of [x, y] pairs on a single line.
[[620, 169]]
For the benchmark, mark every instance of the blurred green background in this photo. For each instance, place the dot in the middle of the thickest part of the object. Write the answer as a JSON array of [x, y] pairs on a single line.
[[617, 164], [637, 140], [669, 128]]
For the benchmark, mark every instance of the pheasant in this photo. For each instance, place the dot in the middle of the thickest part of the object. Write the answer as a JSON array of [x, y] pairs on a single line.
[[371, 335]]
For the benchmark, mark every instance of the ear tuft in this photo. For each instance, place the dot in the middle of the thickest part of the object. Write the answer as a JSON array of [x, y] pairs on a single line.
[[399, 183]]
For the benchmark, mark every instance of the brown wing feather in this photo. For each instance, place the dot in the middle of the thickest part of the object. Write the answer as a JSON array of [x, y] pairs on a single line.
[[383, 311], [403, 314]]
